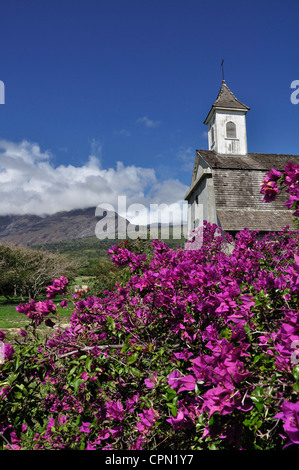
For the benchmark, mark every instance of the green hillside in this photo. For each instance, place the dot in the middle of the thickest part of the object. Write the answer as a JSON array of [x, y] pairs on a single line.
[[91, 252]]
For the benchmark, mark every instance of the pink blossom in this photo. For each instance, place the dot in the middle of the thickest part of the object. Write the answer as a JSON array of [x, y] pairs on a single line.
[[64, 303], [173, 379], [85, 427], [115, 410], [90, 446], [8, 351], [186, 383], [22, 333], [290, 416], [152, 381]]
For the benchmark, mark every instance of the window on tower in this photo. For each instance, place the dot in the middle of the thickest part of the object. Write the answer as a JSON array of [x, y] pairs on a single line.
[[213, 135], [231, 130]]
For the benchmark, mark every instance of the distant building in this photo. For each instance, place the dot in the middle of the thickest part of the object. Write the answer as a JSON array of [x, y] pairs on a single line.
[[226, 179]]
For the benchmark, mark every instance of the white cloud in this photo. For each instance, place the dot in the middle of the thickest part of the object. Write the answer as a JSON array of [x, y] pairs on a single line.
[[148, 122], [30, 184], [96, 148], [123, 132]]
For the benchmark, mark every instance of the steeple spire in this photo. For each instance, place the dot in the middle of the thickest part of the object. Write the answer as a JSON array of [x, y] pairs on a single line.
[[226, 124]]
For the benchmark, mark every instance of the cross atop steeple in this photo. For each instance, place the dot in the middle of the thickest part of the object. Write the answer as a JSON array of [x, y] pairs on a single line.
[[222, 70]]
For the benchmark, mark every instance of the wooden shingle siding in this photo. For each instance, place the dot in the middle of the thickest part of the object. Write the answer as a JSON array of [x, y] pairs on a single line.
[[241, 189], [263, 221]]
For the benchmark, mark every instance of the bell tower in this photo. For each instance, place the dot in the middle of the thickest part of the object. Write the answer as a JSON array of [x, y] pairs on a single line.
[[226, 123]]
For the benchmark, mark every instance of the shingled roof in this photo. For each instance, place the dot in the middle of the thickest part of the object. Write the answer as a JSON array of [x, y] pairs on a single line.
[[226, 100], [251, 161]]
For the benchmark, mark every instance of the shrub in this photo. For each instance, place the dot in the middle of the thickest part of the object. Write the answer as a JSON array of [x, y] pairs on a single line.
[[195, 351]]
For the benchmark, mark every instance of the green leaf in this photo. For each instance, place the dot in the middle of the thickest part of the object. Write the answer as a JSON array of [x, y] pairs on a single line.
[[133, 358], [257, 358], [258, 403], [72, 370], [296, 372], [170, 394], [173, 409], [135, 371], [126, 345], [76, 384], [17, 363], [112, 322], [88, 363], [258, 391]]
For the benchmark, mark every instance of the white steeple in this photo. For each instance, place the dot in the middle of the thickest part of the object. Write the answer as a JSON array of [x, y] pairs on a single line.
[[226, 123]]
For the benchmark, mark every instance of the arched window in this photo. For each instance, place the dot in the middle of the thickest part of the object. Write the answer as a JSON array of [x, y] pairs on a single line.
[[231, 130]]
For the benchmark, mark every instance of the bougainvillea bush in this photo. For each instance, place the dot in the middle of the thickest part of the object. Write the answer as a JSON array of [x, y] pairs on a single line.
[[194, 349]]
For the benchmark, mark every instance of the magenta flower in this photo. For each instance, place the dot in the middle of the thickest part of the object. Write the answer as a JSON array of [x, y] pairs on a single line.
[[4, 392], [64, 303], [102, 436], [184, 418], [148, 417], [115, 410], [147, 420], [186, 383], [270, 190], [131, 402], [290, 416], [138, 444], [173, 379], [116, 432], [8, 351], [22, 333], [152, 381], [90, 446], [24, 428], [274, 175], [58, 287], [15, 441], [37, 310], [185, 355], [85, 427]]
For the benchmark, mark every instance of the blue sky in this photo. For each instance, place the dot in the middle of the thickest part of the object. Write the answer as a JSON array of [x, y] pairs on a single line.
[[104, 97]]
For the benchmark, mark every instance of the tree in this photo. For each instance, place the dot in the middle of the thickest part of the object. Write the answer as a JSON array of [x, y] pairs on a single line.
[[27, 272]]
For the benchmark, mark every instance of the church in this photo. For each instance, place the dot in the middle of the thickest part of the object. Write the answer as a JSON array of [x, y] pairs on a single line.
[[226, 180]]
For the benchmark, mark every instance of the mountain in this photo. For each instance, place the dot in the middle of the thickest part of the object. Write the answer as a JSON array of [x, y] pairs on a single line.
[[68, 225]]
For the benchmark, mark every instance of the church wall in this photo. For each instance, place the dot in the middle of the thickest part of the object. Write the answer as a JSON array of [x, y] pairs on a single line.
[[202, 203]]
